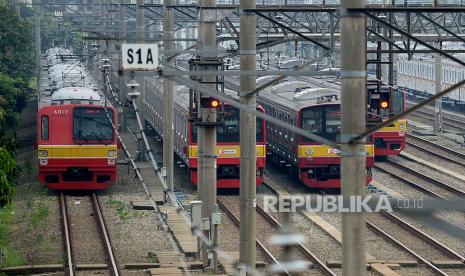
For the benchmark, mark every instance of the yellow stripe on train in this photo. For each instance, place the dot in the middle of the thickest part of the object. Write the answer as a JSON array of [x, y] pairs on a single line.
[[77, 151], [326, 151], [228, 151], [397, 126]]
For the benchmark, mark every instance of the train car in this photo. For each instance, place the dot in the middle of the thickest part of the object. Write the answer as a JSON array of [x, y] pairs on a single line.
[[185, 135], [77, 145], [316, 110], [382, 103], [417, 78]]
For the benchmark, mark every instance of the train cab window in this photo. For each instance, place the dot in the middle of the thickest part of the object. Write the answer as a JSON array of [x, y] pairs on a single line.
[[312, 120], [91, 126], [333, 121], [324, 121], [44, 127]]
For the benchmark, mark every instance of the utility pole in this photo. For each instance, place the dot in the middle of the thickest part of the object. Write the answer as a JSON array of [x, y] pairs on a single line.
[[438, 88], [208, 153], [140, 38], [353, 156], [385, 76], [248, 136], [168, 94], [37, 40], [18, 8], [121, 83]]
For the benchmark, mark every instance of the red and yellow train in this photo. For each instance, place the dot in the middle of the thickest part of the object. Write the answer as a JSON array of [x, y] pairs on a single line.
[[185, 135], [77, 145], [316, 110]]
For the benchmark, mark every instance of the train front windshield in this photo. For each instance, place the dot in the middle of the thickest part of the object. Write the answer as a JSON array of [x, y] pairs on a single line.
[[229, 130], [324, 121], [91, 125]]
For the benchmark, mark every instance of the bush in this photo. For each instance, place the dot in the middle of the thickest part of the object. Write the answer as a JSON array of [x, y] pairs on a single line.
[[8, 175]]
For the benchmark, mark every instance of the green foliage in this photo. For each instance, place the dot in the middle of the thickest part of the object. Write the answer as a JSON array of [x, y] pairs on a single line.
[[10, 256], [8, 175], [122, 211], [16, 47], [38, 216], [17, 66]]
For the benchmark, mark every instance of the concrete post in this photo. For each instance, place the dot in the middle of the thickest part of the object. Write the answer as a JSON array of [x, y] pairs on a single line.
[[247, 41], [168, 94], [18, 8], [438, 88], [122, 83], [353, 156], [140, 38], [208, 153], [38, 40]]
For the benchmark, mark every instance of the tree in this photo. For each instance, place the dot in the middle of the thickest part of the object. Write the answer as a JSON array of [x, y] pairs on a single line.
[[16, 49]]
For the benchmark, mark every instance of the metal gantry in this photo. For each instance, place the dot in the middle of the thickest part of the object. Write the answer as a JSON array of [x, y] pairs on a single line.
[[392, 27]]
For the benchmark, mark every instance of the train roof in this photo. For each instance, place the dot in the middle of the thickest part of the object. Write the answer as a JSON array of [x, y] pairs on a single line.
[[76, 94], [296, 94]]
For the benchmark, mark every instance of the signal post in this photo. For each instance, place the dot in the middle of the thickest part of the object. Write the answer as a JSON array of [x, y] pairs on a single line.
[[248, 128], [207, 129], [168, 93]]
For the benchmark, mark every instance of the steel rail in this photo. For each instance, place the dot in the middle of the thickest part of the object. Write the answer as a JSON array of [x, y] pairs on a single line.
[[179, 207], [420, 234], [104, 233], [411, 183], [382, 233], [448, 150], [429, 179], [304, 250], [66, 235], [447, 121], [438, 147], [236, 221]]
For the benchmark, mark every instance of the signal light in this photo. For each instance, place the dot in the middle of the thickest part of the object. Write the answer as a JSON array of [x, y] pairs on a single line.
[[209, 103], [384, 104]]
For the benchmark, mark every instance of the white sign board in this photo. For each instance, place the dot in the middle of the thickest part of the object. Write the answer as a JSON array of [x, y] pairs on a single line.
[[140, 56]]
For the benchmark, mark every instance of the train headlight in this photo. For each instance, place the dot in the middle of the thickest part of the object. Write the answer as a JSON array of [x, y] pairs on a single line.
[[402, 127], [43, 153], [111, 153], [309, 151]]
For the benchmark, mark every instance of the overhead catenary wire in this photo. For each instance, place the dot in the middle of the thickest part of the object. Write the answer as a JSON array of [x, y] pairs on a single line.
[[176, 203]]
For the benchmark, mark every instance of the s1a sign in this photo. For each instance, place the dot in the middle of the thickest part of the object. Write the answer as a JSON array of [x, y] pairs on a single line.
[[140, 56]]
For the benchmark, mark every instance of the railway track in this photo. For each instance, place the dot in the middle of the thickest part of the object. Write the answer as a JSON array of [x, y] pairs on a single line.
[[419, 181], [436, 150], [448, 120], [310, 256], [410, 239], [103, 234]]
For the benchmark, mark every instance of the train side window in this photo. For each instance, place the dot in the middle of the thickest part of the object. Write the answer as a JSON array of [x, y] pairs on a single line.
[[44, 127]]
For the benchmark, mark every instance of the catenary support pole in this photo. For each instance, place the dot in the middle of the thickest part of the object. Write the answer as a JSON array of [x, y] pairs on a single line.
[[122, 83], [168, 94], [140, 38], [208, 22], [247, 42], [37, 40], [18, 8], [353, 108], [438, 88]]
